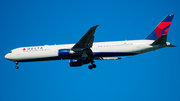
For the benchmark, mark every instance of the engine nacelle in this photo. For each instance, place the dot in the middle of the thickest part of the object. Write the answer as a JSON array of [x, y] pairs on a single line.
[[65, 52], [77, 62]]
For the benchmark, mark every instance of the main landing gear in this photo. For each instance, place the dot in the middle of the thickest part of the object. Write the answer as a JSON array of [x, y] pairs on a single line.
[[92, 66], [17, 67]]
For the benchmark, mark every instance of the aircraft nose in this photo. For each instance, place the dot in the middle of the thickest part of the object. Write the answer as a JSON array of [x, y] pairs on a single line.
[[7, 56]]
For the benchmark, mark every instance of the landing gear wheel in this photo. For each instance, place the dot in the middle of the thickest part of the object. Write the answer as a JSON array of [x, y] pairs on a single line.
[[17, 67], [90, 67], [93, 65]]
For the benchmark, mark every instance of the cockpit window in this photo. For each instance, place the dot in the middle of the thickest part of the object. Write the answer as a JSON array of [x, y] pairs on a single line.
[[10, 52]]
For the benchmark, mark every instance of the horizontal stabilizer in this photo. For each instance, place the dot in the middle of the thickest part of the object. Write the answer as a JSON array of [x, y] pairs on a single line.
[[171, 46], [160, 40]]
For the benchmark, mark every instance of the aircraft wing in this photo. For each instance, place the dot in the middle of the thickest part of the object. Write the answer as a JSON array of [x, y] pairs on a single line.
[[86, 42]]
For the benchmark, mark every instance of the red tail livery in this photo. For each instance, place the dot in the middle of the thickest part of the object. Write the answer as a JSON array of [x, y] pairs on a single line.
[[161, 29]]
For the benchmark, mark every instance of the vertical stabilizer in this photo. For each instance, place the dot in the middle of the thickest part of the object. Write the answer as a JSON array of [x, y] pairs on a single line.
[[161, 29]]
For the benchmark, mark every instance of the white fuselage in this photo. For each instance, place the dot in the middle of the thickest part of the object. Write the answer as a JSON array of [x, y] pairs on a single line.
[[100, 49]]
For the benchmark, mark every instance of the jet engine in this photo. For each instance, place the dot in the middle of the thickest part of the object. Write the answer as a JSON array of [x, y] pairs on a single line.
[[65, 52], [77, 62]]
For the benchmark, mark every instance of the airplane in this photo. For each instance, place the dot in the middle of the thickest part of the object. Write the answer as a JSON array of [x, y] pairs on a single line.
[[86, 51]]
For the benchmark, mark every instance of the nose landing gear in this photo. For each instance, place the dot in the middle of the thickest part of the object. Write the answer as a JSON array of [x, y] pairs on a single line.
[[17, 67]]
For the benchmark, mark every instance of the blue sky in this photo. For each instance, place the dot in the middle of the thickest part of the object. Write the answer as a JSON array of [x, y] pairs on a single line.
[[153, 76]]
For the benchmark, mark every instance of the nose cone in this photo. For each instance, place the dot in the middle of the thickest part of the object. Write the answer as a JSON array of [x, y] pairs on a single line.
[[8, 56]]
